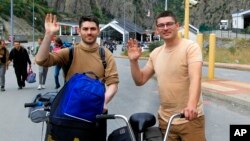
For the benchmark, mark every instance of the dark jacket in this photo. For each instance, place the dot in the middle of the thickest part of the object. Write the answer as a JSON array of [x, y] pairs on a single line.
[[20, 57], [5, 53]]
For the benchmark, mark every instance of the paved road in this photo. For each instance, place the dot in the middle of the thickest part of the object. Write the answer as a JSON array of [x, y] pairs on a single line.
[[15, 126], [229, 74]]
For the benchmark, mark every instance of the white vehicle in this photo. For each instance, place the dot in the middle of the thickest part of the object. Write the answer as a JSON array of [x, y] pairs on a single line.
[[223, 24]]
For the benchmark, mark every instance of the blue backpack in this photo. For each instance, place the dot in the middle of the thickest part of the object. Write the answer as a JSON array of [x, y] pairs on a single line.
[[80, 100]]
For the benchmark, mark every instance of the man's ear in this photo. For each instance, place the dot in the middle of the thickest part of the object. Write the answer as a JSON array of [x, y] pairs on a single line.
[[177, 24], [99, 30]]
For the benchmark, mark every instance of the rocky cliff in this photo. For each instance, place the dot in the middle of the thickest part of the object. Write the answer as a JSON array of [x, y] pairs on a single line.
[[142, 12], [205, 12], [210, 12]]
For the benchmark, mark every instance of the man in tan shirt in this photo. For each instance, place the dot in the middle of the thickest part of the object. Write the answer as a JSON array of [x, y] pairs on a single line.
[[177, 65], [86, 58]]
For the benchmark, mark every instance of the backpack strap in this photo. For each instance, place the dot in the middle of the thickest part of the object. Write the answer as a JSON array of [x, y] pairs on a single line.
[[71, 50], [66, 68], [102, 54]]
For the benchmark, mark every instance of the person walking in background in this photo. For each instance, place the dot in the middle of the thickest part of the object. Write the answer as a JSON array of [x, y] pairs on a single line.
[[20, 58], [177, 64], [42, 70], [58, 45], [4, 57]]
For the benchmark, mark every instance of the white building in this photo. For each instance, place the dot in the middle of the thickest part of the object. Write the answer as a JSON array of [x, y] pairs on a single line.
[[240, 20], [193, 31]]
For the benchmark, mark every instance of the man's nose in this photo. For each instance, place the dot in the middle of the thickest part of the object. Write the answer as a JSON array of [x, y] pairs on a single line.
[[89, 31], [166, 26]]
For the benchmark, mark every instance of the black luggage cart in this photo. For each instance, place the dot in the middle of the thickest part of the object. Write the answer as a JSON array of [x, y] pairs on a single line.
[[136, 126]]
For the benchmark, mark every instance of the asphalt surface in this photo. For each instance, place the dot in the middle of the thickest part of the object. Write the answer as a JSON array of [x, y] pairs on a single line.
[[16, 126]]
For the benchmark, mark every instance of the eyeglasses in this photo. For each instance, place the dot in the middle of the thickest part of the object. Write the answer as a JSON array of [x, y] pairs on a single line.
[[162, 25]]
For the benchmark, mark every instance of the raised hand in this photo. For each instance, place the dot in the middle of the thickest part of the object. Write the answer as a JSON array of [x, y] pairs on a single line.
[[51, 25], [134, 52]]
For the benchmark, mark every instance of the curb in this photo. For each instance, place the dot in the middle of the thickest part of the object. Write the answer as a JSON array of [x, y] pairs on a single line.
[[230, 66], [230, 100], [217, 65]]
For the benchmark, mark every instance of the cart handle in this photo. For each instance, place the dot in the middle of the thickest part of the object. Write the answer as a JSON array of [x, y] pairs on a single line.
[[179, 115]]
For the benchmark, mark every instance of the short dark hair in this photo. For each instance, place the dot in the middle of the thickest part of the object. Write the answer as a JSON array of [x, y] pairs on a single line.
[[16, 41], [89, 18], [59, 41], [166, 14]]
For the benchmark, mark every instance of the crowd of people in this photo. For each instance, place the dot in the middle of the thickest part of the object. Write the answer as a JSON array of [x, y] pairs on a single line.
[[177, 65], [19, 56], [111, 45]]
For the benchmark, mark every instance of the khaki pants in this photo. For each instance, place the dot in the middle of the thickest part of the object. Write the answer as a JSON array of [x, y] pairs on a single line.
[[191, 131]]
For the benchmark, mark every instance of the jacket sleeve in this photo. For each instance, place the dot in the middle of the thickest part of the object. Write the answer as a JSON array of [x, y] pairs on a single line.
[[7, 56], [11, 56], [111, 73], [27, 56], [61, 58]]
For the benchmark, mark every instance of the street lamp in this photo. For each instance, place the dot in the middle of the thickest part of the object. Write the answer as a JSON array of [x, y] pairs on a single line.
[[1, 30], [186, 19], [166, 5]]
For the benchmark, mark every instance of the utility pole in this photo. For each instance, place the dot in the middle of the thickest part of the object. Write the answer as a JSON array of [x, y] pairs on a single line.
[[33, 25], [166, 5], [186, 20], [135, 22], [124, 24]]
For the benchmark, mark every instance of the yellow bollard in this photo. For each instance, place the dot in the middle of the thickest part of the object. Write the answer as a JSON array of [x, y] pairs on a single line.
[[76, 139], [179, 34], [200, 40], [50, 138], [212, 44], [186, 20]]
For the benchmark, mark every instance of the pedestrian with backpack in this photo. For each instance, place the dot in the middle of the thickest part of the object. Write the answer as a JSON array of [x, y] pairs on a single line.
[[4, 55], [86, 58]]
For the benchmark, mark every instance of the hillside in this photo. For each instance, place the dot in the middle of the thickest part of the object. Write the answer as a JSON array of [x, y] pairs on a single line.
[[207, 12]]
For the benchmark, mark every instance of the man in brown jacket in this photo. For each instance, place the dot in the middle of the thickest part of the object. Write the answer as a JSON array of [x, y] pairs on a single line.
[[86, 58]]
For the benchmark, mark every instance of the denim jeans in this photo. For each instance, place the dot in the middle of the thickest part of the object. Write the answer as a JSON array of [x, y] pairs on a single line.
[[56, 74], [42, 74], [2, 75]]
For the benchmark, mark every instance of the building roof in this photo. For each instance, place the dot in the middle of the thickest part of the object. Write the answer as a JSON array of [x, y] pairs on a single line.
[[241, 12], [124, 26], [66, 23], [74, 24], [130, 27]]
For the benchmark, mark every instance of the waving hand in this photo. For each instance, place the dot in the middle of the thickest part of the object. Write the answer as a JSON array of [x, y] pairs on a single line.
[[134, 52], [51, 25]]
